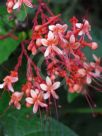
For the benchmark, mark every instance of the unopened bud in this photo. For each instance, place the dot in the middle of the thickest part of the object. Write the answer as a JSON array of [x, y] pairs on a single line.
[[94, 46]]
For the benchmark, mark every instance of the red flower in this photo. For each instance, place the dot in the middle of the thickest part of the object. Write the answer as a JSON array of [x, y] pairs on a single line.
[[15, 98]]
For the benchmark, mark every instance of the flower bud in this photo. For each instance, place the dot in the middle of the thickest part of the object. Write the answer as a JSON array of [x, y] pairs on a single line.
[[94, 46]]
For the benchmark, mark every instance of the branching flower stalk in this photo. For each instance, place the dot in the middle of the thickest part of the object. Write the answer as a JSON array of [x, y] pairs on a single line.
[[62, 47]]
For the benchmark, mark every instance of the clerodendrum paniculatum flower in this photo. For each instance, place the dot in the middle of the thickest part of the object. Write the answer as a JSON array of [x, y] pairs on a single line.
[[62, 49]]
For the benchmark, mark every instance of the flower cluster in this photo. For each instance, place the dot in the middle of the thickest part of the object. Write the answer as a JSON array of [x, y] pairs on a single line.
[[62, 48], [14, 4]]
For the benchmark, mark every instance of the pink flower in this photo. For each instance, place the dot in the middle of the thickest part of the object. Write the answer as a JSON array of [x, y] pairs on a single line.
[[36, 99], [19, 3], [86, 73], [51, 43], [9, 80], [76, 88], [59, 31], [96, 66], [15, 98], [72, 39], [10, 4], [50, 88], [84, 28], [58, 28], [26, 88]]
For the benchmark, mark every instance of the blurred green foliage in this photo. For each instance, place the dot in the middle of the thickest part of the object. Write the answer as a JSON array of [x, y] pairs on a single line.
[[21, 123]]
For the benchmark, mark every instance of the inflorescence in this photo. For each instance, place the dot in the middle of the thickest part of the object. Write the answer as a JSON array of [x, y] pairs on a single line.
[[62, 47]]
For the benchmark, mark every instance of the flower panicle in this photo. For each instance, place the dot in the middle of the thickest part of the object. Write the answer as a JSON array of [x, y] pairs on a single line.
[[62, 49]]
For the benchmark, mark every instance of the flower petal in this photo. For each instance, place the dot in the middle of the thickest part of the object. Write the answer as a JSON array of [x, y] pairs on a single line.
[[72, 39], [14, 79], [54, 94], [88, 80], [96, 58], [82, 72], [78, 25], [81, 33], [10, 87], [57, 50], [47, 51], [44, 42], [28, 3], [19, 95], [42, 104], [1, 86], [46, 95], [65, 27], [18, 106], [97, 72], [43, 87], [50, 35], [59, 26], [48, 81], [33, 93], [89, 36], [29, 100], [37, 91], [56, 85], [17, 5], [52, 27], [35, 108]]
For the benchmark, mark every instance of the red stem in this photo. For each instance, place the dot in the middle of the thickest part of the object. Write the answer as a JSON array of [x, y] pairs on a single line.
[[28, 58]]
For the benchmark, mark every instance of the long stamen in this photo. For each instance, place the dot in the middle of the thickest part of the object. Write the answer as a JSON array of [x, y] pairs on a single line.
[[56, 108], [97, 83], [90, 104], [98, 89]]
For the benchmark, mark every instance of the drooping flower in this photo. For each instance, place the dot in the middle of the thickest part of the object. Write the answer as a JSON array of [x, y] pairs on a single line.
[[15, 99], [96, 65], [32, 47], [50, 88], [19, 3], [9, 80], [86, 74], [51, 43], [36, 99], [10, 4], [26, 88], [84, 28]]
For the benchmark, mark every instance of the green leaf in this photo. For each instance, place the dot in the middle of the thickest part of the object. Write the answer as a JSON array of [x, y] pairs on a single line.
[[4, 100], [72, 96], [7, 46], [3, 10], [19, 123], [22, 36]]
